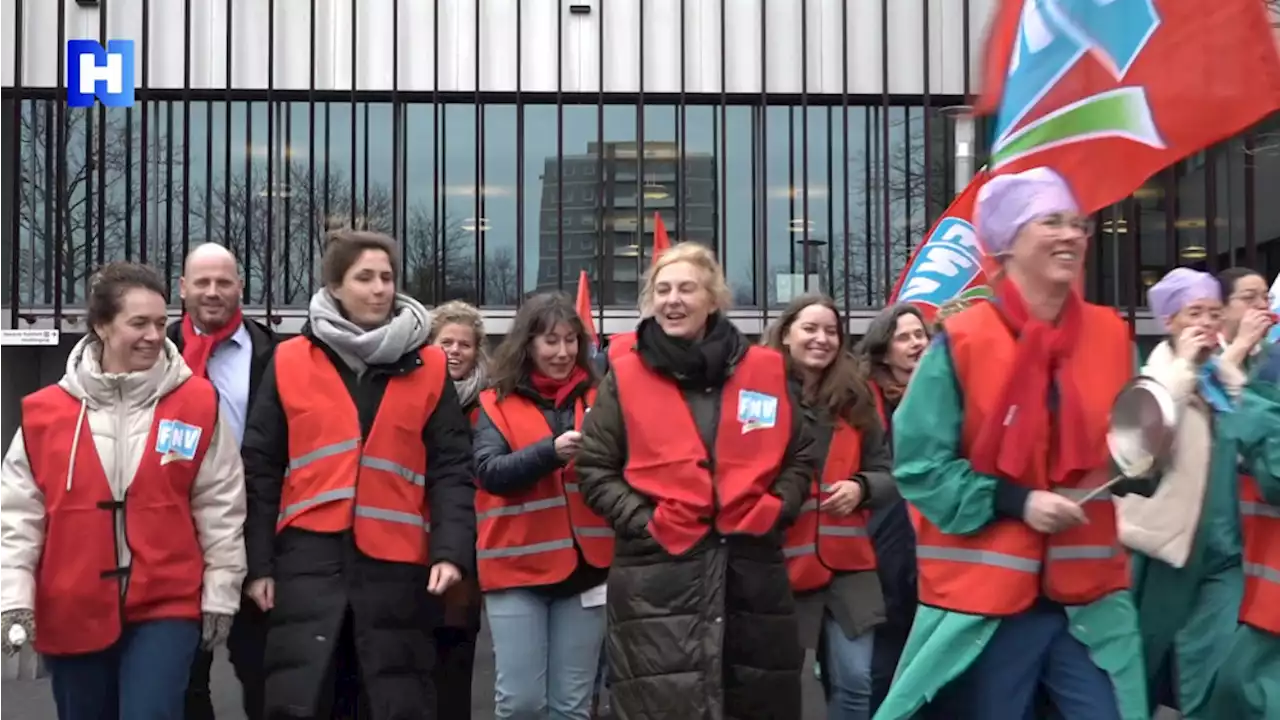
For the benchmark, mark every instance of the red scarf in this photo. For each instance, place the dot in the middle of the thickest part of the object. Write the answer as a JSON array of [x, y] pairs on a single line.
[[196, 348], [1022, 420], [557, 391]]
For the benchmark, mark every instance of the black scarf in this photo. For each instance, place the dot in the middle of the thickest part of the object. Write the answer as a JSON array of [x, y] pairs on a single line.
[[699, 364]]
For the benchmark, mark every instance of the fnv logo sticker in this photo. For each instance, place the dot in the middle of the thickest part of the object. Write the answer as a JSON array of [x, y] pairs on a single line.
[[946, 266], [756, 411], [176, 440]]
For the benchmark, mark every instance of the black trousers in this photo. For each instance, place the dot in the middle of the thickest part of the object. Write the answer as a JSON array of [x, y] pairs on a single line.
[[455, 663], [246, 645]]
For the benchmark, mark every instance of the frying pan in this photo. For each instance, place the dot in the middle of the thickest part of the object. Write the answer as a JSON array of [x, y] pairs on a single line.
[[1144, 422]]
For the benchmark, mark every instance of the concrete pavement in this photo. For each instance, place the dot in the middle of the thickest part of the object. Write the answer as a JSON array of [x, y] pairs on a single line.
[[31, 699]]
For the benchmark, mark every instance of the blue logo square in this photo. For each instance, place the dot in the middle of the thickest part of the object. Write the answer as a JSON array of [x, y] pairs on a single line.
[[93, 72]]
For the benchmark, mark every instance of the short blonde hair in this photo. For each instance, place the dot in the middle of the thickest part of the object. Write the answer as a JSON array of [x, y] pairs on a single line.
[[456, 312], [699, 256]]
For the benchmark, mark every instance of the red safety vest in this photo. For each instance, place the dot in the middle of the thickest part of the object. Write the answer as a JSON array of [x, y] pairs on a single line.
[[78, 607], [621, 344], [668, 462], [1002, 569], [336, 482], [820, 544], [1261, 530], [533, 537]]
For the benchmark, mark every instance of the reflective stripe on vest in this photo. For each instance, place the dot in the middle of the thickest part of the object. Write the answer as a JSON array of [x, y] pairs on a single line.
[[80, 597], [335, 481], [818, 544], [532, 538], [1003, 568], [1260, 531], [668, 462]]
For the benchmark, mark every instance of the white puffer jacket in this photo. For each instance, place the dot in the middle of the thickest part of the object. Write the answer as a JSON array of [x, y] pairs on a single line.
[[1164, 525], [120, 409]]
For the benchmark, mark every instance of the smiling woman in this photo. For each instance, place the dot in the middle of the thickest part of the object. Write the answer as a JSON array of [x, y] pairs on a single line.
[[127, 314]]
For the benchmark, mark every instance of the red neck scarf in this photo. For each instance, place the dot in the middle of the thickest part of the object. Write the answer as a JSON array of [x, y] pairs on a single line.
[[1022, 420], [557, 391], [197, 347]]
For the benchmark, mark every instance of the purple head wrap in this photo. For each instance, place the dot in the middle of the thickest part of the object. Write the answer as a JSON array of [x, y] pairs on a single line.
[[1007, 202], [1179, 288]]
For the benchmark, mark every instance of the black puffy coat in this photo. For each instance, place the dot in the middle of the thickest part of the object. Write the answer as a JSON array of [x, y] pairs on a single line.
[[711, 634], [333, 601]]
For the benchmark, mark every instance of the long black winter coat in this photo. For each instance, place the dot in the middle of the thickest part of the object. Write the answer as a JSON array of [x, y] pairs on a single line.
[[323, 582], [711, 634]]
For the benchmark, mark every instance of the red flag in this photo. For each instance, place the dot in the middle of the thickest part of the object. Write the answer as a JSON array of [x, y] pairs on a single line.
[[950, 263], [1108, 94], [661, 242], [584, 307]]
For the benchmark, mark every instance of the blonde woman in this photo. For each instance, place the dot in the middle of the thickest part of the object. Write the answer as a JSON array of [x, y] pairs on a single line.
[[697, 455], [457, 328]]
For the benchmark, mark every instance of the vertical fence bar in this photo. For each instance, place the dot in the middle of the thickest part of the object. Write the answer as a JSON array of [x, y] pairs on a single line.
[[1132, 220], [440, 226], [844, 160], [640, 233], [806, 238], [928, 135], [763, 140], [560, 142], [168, 199], [60, 176], [186, 130], [248, 202], [868, 113], [885, 206], [481, 221], [268, 277], [100, 151], [604, 242], [144, 190], [228, 237], [355, 104], [286, 183], [831, 215], [724, 143], [1250, 202], [89, 198], [311, 154], [965, 39], [15, 168], [1171, 215], [520, 147], [48, 183], [682, 123], [1211, 208], [398, 221], [791, 194]]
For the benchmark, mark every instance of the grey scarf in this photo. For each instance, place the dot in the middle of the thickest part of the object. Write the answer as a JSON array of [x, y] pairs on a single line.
[[359, 348], [469, 387]]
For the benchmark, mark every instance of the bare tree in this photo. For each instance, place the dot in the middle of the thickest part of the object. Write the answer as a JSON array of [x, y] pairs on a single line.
[[68, 154]]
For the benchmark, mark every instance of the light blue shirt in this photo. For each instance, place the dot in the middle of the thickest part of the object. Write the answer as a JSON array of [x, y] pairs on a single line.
[[229, 368]]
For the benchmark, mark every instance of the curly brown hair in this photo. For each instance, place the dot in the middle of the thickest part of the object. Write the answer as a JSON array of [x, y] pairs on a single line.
[[108, 286], [537, 315], [843, 391]]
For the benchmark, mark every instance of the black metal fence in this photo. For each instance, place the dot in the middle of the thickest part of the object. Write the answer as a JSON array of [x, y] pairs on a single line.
[[495, 195]]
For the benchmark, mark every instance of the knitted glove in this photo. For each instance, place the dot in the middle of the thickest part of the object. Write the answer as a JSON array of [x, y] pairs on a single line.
[[12, 620], [214, 630]]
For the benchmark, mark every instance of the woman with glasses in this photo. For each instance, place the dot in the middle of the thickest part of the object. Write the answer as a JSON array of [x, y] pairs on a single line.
[[1246, 315], [1000, 446], [1188, 574]]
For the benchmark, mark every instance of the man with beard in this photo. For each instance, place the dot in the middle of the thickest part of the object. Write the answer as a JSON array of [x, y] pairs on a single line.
[[219, 343]]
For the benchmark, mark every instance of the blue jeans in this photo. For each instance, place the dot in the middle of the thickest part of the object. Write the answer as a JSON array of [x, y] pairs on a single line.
[[546, 653], [847, 671], [1029, 650], [143, 676]]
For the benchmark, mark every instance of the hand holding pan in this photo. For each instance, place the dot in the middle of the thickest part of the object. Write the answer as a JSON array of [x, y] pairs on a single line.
[[1144, 421]]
